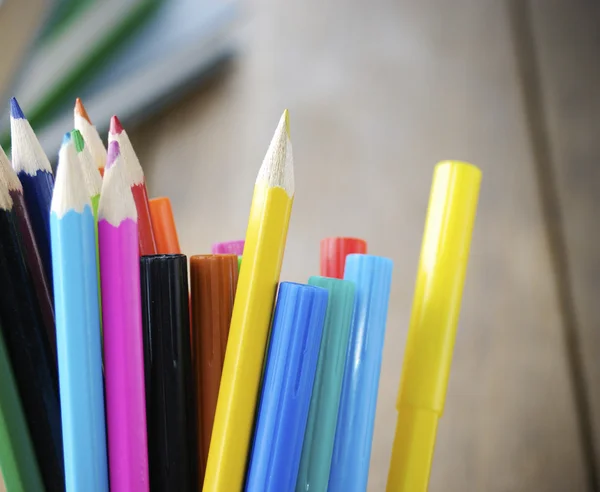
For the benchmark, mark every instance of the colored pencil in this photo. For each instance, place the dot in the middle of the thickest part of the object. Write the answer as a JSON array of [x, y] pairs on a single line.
[[434, 318], [213, 279], [30, 355], [242, 367], [122, 326], [72, 228], [34, 171], [163, 226], [135, 179], [228, 248], [317, 448], [93, 184], [287, 387], [17, 457], [334, 251], [170, 402], [32, 254], [356, 416], [83, 123]]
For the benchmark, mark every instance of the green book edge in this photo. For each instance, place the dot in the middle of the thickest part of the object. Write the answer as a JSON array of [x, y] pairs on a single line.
[[60, 94]]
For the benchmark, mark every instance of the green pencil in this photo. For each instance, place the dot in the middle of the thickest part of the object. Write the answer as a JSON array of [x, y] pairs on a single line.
[[93, 181], [17, 458]]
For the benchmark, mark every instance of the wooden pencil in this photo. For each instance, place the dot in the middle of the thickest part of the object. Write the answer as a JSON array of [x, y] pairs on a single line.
[[135, 179], [170, 398], [83, 123], [213, 280], [35, 173], [122, 326], [163, 226], [29, 352], [19, 464], [72, 228], [93, 185], [263, 255], [32, 254]]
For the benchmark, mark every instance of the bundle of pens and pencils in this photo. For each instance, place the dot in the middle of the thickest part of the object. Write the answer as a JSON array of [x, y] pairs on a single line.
[[115, 376]]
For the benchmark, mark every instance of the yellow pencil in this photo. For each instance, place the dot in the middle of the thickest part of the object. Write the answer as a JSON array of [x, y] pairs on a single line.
[[257, 284], [436, 306]]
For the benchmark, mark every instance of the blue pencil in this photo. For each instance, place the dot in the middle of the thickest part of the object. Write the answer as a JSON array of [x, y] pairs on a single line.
[[78, 327], [35, 173], [354, 432], [287, 388]]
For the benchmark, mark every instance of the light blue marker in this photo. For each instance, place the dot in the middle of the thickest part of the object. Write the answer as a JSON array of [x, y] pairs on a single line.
[[356, 417], [78, 327]]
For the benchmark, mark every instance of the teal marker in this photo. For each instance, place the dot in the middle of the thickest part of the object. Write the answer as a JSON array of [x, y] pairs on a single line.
[[319, 437]]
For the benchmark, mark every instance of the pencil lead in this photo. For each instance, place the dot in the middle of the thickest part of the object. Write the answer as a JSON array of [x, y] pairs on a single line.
[[114, 151], [8, 177], [80, 110], [91, 174], [15, 109], [69, 187], [277, 169], [115, 126], [77, 140], [27, 153]]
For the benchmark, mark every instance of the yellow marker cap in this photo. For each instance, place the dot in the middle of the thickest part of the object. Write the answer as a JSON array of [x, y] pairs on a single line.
[[436, 307]]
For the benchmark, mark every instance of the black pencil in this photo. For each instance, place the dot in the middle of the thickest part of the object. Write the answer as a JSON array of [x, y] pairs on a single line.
[[28, 349], [170, 398]]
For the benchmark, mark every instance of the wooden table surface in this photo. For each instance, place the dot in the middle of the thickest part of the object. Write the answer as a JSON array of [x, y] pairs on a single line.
[[379, 92]]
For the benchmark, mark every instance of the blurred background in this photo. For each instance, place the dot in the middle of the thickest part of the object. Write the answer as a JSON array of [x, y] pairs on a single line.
[[378, 92]]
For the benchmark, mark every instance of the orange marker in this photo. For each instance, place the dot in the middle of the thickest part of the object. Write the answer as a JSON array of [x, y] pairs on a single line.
[[163, 225]]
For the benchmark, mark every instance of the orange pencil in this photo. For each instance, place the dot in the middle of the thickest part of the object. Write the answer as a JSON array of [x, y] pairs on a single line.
[[163, 225], [90, 135]]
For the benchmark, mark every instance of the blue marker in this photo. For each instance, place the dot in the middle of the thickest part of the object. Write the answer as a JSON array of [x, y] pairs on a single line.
[[356, 417], [78, 328], [287, 388]]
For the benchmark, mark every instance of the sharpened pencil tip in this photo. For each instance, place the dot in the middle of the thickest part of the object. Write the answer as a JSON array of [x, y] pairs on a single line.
[[80, 110], [113, 152], [286, 115], [115, 126], [77, 140], [15, 109], [66, 138]]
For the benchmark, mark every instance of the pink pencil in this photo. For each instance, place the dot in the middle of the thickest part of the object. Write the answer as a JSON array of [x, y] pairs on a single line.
[[122, 324]]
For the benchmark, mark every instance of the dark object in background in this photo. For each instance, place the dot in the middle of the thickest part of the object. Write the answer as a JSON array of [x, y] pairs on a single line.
[[170, 411], [35, 372]]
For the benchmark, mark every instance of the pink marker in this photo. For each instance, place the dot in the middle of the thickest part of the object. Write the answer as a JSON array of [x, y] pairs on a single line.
[[228, 248]]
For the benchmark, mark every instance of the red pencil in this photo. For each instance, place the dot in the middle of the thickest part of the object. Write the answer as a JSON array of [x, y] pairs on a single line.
[[137, 181]]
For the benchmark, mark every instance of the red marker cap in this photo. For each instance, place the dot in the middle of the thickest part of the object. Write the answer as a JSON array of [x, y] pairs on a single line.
[[334, 251]]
